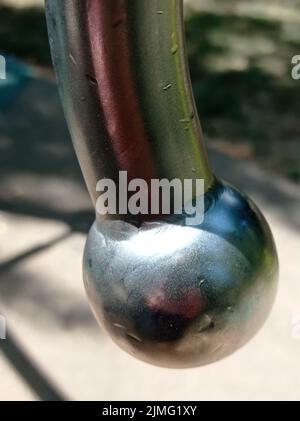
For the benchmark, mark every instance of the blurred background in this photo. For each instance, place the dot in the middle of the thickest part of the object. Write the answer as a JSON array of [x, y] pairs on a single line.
[[240, 55]]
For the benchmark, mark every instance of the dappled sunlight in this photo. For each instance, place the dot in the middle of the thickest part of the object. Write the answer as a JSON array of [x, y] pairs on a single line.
[[240, 64]]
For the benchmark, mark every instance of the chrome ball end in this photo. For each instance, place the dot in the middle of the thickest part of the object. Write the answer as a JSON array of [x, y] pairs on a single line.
[[179, 296]]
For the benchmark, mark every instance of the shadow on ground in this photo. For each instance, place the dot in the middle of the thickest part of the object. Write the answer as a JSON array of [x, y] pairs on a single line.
[[23, 33], [39, 172], [38, 381], [241, 73]]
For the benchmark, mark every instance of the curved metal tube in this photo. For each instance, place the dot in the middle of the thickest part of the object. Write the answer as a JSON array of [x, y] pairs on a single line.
[[126, 90], [169, 294]]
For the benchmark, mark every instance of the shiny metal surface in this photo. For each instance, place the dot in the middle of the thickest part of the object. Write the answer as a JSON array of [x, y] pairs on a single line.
[[169, 294], [178, 296], [125, 88]]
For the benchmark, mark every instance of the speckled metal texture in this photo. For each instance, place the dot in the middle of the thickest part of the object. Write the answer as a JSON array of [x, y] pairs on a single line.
[[179, 296]]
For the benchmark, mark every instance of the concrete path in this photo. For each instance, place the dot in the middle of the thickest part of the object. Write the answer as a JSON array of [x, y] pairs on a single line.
[[54, 349]]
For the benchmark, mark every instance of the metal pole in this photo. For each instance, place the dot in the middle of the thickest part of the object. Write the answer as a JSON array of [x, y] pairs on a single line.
[[126, 91], [169, 294]]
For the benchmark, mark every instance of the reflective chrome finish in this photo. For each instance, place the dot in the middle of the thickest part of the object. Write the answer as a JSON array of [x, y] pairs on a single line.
[[179, 296], [170, 294], [126, 91]]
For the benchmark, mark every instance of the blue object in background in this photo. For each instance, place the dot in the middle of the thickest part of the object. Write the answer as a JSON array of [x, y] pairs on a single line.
[[18, 75]]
